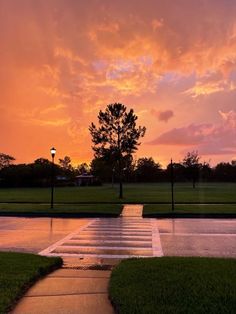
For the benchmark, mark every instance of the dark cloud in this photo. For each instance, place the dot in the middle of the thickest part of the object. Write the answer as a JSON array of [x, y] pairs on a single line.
[[165, 115]]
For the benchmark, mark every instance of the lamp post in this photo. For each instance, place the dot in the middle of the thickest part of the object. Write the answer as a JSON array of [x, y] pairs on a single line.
[[53, 153], [172, 185], [112, 179]]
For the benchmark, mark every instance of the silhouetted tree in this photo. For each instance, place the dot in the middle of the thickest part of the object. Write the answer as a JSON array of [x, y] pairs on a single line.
[[65, 163], [225, 171], [178, 172], [205, 171], [33, 174], [192, 166], [16, 175], [101, 168], [128, 168], [117, 135], [233, 163], [83, 168], [42, 161], [5, 160], [147, 170]]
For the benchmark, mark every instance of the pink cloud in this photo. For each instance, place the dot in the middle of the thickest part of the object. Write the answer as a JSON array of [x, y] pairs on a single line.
[[189, 135], [165, 115], [206, 138]]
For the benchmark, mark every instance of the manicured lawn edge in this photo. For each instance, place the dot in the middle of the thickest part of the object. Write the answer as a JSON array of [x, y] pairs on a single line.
[[190, 215], [114, 210], [18, 272], [174, 285], [64, 211], [57, 215], [123, 201], [106, 215], [190, 211]]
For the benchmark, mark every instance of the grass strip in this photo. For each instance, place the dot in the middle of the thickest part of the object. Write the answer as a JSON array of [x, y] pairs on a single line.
[[85, 210], [18, 271], [174, 285], [190, 209]]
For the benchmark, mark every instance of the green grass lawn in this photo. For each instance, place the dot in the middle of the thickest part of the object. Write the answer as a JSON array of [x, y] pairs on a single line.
[[174, 285], [18, 272], [79, 210], [104, 201], [152, 209], [137, 193]]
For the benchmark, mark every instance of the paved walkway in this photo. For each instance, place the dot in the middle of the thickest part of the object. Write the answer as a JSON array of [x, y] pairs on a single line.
[[109, 238], [85, 291], [132, 211], [106, 242], [68, 291]]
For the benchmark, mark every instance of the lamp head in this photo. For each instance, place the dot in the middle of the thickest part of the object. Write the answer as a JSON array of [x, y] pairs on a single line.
[[53, 151]]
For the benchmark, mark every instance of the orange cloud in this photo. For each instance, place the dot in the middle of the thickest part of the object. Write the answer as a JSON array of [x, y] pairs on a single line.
[[61, 64]]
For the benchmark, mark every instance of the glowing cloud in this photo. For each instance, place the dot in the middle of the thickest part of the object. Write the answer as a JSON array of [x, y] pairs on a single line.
[[61, 62], [208, 139]]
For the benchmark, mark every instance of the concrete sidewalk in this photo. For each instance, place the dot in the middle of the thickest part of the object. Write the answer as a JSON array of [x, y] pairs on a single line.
[[132, 210], [69, 291]]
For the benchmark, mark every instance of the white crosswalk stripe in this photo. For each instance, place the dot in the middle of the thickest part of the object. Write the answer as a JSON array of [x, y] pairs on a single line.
[[110, 238]]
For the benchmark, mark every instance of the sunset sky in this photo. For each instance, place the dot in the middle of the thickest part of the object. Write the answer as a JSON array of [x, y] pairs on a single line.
[[172, 61]]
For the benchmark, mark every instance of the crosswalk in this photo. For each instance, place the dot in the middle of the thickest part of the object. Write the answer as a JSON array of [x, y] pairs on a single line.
[[119, 238]]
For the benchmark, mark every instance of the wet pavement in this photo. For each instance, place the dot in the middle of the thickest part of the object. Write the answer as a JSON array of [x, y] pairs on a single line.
[[132, 210], [32, 235], [108, 237], [198, 237], [104, 241]]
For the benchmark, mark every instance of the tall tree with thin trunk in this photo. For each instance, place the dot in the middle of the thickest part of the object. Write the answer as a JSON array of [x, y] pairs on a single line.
[[116, 136], [192, 166]]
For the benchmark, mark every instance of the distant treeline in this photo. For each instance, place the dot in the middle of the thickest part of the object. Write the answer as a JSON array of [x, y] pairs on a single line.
[[40, 172], [147, 170]]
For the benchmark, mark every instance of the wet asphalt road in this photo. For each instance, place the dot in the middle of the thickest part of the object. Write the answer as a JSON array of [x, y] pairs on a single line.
[[198, 237], [34, 234], [179, 237]]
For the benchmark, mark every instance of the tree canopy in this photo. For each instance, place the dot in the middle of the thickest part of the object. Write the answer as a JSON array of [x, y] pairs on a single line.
[[147, 169], [192, 166], [65, 163], [5, 160], [117, 135]]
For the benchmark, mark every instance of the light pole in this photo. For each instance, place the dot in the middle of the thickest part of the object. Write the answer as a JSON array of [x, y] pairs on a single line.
[[53, 153], [172, 185], [112, 179]]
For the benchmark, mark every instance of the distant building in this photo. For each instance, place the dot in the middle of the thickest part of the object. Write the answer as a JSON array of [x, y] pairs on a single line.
[[63, 181], [85, 179]]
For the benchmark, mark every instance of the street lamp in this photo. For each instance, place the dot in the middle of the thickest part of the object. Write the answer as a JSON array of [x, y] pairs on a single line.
[[112, 178], [172, 185], [53, 153]]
